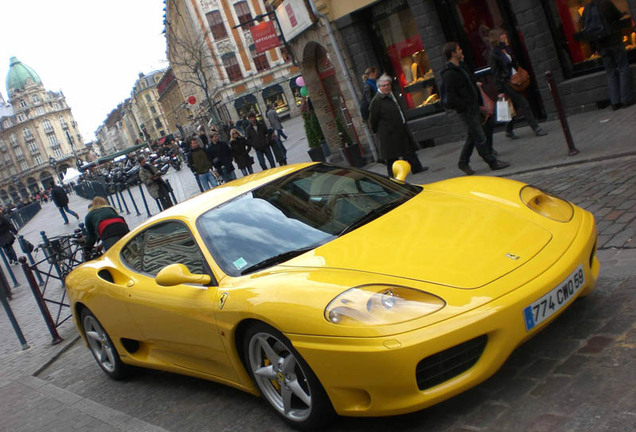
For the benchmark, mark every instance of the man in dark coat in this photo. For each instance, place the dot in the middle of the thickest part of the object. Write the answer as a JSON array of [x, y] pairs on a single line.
[[7, 237], [220, 154], [199, 163], [387, 120], [61, 202], [256, 135], [613, 54], [464, 97]]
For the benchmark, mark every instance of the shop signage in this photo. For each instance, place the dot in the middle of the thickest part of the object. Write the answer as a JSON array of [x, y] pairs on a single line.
[[264, 36], [293, 18]]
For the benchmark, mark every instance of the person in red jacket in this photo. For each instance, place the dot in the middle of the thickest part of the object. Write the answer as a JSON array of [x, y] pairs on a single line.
[[104, 223]]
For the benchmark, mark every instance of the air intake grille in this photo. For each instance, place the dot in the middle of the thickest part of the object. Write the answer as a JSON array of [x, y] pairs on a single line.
[[447, 364]]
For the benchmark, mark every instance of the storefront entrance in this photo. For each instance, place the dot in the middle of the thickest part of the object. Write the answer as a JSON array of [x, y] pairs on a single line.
[[469, 23]]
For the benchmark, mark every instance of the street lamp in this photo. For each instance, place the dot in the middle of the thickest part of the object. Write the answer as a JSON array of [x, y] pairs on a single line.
[[70, 142], [52, 163]]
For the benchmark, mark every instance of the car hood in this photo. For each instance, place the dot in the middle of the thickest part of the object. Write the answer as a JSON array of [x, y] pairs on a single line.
[[437, 237]]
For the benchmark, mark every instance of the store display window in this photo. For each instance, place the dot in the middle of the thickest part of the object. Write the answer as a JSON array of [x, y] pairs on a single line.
[[577, 54], [298, 98], [274, 96], [395, 27]]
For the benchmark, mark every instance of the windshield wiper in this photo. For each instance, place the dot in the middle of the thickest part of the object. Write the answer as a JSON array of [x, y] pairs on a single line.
[[277, 259], [372, 215]]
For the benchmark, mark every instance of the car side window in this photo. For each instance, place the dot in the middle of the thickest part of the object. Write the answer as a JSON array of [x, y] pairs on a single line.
[[131, 253], [170, 243]]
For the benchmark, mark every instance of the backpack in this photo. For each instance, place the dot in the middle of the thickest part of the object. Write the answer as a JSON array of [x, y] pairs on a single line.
[[443, 94], [595, 26]]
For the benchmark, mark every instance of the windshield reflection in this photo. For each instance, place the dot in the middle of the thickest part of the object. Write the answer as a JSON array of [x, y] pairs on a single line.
[[305, 209]]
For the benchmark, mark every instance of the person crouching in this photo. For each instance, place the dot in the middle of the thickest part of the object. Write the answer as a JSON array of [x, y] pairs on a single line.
[[103, 223]]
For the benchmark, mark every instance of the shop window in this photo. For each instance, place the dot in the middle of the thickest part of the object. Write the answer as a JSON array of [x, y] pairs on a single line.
[[396, 29], [274, 96], [260, 60], [232, 67], [243, 14], [215, 21], [576, 54]]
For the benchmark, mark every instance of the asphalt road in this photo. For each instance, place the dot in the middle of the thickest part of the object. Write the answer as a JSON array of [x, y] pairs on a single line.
[[577, 375]]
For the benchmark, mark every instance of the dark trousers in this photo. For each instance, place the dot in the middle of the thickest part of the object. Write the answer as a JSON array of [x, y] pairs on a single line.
[[475, 138], [522, 106], [260, 155], [617, 68], [10, 252], [164, 197]]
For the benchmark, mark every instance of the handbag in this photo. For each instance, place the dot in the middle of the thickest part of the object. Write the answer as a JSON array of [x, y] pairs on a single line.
[[521, 80], [488, 106], [503, 111]]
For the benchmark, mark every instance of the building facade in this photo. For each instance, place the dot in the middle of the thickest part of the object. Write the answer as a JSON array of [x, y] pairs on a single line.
[[145, 106], [174, 104], [215, 59], [39, 138], [404, 38]]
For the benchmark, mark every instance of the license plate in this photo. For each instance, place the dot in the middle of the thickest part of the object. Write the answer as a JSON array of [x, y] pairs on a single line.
[[552, 302]]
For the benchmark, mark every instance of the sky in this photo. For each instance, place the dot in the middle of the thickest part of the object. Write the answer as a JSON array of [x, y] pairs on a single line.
[[92, 51]]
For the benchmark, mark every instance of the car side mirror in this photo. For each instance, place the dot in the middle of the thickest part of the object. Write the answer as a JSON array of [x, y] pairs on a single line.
[[401, 169], [176, 274]]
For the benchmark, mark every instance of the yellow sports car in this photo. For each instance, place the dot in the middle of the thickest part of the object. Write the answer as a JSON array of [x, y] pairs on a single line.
[[330, 290]]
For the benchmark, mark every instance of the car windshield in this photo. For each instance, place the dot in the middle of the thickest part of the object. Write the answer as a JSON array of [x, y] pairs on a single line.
[[296, 213]]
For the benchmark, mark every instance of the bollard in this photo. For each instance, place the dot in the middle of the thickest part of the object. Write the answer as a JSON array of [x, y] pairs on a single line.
[[110, 201], [572, 151], [133, 201], [5, 296], [39, 299], [174, 198], [51, 258], [121, 210], [124, 201], [27, 248], [159, 205], [8, 266], [143, 198]]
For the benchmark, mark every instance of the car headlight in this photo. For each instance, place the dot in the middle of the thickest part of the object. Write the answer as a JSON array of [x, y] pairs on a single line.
[[546, 205], [381, 305]]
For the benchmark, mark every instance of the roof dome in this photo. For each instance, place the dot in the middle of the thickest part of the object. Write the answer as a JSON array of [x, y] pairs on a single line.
[[19, 74]]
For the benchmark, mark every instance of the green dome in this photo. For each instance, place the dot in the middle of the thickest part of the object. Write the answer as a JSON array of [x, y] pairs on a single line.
[[18, 75]]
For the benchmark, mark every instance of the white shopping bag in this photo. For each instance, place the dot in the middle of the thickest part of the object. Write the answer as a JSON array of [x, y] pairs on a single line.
[[503, 111]]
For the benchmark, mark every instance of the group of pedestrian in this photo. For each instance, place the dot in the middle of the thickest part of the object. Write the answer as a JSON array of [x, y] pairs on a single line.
[[460, 91]]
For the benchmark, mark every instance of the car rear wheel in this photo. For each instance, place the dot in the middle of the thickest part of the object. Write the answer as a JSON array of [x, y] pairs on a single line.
[[284, 379], [102, 347]]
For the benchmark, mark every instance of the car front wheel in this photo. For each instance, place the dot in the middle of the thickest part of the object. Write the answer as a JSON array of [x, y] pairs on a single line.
[[102, 347], [285, 380]]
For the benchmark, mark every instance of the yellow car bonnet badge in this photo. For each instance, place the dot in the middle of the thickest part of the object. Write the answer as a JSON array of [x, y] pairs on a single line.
[[512, 256], [222, 300]]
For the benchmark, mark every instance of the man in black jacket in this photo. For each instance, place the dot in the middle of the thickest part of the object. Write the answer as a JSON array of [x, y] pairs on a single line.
[[256, 134], [464, 97], [61, 202], [613, 53]]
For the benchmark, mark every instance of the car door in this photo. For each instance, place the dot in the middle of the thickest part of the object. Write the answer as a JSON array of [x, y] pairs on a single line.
[[177, 323]]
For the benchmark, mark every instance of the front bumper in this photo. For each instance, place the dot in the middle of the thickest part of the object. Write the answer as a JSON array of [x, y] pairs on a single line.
[[377, 376]]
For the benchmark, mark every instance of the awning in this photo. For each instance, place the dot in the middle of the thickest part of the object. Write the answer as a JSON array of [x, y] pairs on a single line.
[[242, 101], [110, 157], [272, 90]]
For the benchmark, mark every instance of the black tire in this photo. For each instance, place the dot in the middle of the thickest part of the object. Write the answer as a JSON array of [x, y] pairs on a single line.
[[102, 347], [284, 379]]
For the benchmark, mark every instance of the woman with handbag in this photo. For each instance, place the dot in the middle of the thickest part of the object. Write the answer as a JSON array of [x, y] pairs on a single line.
[[511, 80]]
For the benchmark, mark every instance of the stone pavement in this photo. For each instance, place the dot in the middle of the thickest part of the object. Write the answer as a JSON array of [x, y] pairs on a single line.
[[607, 141]]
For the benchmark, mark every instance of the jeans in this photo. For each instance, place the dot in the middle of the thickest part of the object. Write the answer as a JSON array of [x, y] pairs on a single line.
[[260, 155], [207, 180], [67, 210], [475, 138], [280, 133], [247, 170], [227, 175], [617, 68]]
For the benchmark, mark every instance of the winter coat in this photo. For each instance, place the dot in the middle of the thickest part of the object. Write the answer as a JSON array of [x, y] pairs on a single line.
[[199, 161], [274, 119], [256, 137], [386, 120], [241, 152], [7, 231], [461, 88], [501, 66], [221, 156], [59, 196], [145, 175], [103, 222]]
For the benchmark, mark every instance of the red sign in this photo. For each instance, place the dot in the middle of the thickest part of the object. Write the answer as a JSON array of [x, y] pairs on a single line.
[[192, 100], [264, 36]]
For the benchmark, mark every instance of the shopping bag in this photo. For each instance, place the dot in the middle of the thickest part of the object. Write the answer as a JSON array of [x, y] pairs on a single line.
[[503, 111]]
